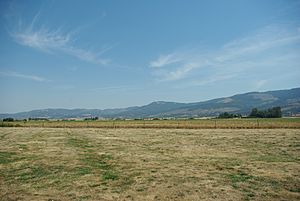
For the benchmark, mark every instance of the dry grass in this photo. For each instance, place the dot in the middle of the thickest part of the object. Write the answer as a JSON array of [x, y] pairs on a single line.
[[149, 164], [244, 123]]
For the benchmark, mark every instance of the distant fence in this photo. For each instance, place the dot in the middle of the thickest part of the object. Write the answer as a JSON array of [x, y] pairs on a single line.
[[164, 124]]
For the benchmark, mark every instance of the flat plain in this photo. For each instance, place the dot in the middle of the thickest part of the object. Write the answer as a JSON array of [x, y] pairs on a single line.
[[149, 164], [239, 123]]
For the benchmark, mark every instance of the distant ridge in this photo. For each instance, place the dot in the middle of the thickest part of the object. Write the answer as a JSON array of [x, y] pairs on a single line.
[[288, 100]]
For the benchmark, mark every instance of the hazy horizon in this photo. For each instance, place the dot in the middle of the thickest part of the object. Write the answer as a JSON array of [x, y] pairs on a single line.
[[70, 108], [109, 54]]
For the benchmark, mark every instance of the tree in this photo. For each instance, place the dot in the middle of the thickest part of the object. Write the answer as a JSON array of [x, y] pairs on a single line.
[[254, 112], [274, 112]]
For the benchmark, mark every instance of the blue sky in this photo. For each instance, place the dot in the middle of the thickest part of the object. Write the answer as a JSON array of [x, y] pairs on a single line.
[[110, 54]]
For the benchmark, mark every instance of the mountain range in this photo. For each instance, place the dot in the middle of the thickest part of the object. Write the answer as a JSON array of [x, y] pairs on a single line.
[[288, 100]]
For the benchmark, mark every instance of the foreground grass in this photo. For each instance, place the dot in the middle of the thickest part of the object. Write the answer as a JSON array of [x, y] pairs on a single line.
[[149, 164]]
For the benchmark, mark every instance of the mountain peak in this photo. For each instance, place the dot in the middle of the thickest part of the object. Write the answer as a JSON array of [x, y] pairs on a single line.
[[159, 102]]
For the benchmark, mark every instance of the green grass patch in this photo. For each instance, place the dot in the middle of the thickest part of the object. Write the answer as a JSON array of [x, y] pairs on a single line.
[[109, 175], [83, 170], [101, 163], [96, 161], [92, 161], [8, 157], [33, 173], [222, 163], [80, 143], [277, 158], [240, 177], [244, 182], [85, 197], [249, 184]]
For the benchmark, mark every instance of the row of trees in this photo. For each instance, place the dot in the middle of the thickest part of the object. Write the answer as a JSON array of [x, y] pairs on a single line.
[[29, 119], [226, 115], [8, 119], [91, 119], [274, 112]]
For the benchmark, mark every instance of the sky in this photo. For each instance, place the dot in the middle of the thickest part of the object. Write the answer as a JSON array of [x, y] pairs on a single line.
[[112, 54]]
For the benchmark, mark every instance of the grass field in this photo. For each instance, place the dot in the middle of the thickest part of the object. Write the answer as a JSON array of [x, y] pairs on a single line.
[[183, 123], [149, 164]]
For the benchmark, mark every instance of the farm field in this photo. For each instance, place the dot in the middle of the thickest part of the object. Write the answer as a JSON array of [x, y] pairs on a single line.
[[149, 164], [180, 123]]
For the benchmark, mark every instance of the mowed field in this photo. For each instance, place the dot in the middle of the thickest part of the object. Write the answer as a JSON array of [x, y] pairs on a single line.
[[243, 123], [149, 164]]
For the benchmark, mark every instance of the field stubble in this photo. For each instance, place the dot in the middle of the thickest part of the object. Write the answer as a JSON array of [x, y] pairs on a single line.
[[149, 164], [244, 123]]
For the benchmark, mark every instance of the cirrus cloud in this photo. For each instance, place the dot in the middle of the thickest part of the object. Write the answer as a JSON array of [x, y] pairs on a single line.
[[55, 40], [23, 76], [271, 48]]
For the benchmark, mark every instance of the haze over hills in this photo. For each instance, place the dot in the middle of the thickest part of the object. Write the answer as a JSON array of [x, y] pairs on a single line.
[[288, 100]]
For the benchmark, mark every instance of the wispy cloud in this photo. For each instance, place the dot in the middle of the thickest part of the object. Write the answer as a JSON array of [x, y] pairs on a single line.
[[53, 40], [271, 47], [164, 60], [23, 76]]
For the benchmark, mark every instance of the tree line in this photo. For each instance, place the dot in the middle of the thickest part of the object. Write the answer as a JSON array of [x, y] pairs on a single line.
[[274, 112]]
